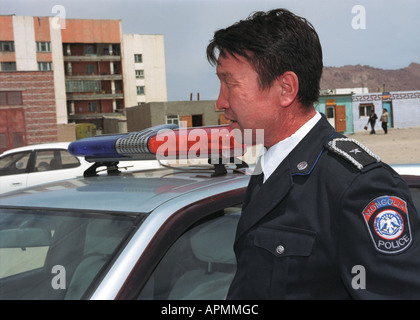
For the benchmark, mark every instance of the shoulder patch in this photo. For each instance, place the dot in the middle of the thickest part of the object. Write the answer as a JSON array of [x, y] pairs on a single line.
[[387, 220], [353, 151]]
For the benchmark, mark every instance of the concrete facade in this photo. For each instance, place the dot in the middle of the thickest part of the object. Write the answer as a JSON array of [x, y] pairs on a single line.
[[150, 73]]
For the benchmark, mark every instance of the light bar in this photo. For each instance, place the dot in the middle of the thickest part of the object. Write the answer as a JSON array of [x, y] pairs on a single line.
[[161, 142]]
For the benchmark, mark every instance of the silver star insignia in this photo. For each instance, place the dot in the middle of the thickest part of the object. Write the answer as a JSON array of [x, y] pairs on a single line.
[[355, 151]]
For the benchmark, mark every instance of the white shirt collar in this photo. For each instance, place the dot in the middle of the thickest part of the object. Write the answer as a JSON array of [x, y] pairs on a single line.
[[271, 158]]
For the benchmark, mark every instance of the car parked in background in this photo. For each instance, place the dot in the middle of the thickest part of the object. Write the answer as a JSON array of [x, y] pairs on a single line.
[[36, 164], [42, 163]]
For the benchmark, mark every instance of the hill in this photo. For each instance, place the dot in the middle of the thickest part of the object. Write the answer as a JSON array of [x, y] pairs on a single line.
[[404, 79]]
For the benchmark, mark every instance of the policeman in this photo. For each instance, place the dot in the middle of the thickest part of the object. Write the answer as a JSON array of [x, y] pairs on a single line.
[[326, 219]]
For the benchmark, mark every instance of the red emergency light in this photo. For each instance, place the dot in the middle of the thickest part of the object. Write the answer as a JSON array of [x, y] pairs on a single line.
[[162, 142]]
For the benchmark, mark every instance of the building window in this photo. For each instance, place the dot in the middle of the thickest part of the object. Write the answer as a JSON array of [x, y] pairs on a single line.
[[7, 46], [88, 49], [138, 58], [44, 66], [90, 69], [8, 66], [365, 110], [172, 119], [330, 112], [11, 98], [43, 47], [140, 90], [139, 74], [92, 107]]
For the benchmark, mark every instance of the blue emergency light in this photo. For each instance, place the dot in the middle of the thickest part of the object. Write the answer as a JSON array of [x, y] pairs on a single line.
[[118, 147], [163, 141]]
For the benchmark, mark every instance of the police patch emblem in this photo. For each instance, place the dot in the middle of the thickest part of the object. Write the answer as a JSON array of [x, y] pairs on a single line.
[[387, 220]]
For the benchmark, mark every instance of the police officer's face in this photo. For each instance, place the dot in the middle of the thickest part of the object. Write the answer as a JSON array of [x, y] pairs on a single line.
[[244, 103]]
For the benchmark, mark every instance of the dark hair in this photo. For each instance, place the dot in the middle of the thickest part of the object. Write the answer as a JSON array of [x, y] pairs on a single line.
[[275, 42]]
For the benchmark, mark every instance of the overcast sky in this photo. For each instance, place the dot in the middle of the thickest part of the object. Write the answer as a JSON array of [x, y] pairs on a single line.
[[380, 33]]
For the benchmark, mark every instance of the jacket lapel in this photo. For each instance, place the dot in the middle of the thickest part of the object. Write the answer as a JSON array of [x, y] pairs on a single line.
[[301, 161], [262, 201]]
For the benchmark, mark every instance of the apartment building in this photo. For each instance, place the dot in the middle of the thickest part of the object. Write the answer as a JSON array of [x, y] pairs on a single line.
[[95, 72]]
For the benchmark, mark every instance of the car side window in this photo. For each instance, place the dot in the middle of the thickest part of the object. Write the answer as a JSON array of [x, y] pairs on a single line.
[[67, 160], [43, 159], [200, 264], [15, 163], [54, 160]]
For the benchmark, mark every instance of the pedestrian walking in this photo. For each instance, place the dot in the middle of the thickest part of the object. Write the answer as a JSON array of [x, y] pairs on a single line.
[[372, 120], [384, 119]]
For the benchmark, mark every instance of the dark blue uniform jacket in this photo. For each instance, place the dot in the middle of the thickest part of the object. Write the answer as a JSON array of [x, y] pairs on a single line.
[[322, 228]]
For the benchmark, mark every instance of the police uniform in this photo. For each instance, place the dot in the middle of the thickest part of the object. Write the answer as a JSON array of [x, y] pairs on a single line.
[[331, 222]]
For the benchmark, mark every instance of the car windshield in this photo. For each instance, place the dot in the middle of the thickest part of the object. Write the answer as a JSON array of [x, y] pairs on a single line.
[[54, 254]]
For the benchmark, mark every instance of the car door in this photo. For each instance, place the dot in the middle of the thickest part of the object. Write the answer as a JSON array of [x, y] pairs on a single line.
[[191, 257], [200, 265], [14, 170]]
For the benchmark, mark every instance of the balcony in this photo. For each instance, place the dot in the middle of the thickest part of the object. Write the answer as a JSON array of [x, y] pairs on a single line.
[[92, 57], [95, 96], [93, 76]]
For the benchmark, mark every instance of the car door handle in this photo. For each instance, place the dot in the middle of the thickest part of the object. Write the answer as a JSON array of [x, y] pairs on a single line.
[[16, 183]]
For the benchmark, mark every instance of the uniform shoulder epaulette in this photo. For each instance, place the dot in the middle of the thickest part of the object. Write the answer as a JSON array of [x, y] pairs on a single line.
[[355, 152]]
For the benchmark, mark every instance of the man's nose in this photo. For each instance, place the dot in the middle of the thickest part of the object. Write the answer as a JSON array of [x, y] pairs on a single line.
[[222, 102]]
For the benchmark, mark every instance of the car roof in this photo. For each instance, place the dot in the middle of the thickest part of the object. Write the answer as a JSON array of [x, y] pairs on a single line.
[[132, 192], [407, 169], [53, 145]]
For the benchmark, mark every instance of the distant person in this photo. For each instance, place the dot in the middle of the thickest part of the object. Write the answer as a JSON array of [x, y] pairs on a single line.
[[384, 119], [372, 120]]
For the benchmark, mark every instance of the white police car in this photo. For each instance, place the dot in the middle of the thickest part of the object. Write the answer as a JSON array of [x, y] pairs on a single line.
[[43, 163], [36, 164], [153, 234]]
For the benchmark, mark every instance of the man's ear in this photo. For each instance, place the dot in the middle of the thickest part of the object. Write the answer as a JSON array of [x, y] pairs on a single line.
[[288, 84]]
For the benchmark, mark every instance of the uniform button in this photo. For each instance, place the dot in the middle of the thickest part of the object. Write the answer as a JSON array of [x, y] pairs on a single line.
[[280, 249], [302, 165]]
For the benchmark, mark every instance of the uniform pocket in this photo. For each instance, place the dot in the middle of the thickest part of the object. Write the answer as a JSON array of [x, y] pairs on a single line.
[[284, 241], [288, 250]]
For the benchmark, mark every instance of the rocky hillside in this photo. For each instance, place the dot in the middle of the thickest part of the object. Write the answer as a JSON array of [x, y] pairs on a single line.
[[365, 76]]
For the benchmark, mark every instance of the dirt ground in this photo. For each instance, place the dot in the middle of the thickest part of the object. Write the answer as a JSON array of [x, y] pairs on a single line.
[[399, 146]]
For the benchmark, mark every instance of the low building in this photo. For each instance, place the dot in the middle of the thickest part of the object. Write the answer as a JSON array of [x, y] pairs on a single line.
[[347, 112], [402, 106], [338, 109], [186, 113]]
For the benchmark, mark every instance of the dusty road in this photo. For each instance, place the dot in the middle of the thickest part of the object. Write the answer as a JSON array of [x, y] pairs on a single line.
[[399, 146]]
